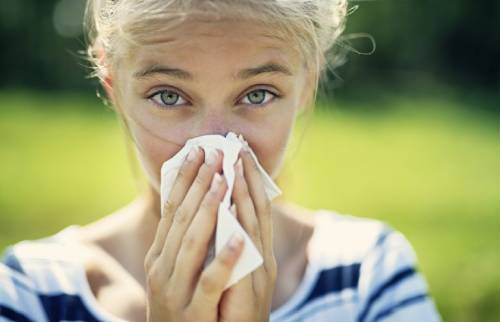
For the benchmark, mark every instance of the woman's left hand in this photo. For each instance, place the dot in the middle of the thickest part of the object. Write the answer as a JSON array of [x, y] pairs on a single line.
[[249, 300]]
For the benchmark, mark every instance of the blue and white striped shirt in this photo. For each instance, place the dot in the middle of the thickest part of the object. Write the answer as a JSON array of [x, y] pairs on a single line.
[[359, 270]]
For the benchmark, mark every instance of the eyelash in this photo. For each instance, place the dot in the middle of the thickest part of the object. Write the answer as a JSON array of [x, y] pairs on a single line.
[[159, 92]]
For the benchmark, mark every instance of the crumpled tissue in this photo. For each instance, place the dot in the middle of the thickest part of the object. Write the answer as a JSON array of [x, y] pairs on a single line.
[[250, 259]]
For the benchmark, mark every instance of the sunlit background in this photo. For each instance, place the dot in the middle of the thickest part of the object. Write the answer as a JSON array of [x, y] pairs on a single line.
[[409, 134]]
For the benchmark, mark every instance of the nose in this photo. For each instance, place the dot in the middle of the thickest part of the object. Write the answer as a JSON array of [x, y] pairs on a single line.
[[212, 123]]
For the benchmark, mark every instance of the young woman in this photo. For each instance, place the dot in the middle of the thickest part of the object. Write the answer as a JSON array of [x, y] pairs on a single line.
[[177, 69]]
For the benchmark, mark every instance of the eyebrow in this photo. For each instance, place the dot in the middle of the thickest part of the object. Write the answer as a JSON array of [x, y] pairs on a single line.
[[269, 67]]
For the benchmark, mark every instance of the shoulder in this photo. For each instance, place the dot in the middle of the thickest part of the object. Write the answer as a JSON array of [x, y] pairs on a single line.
[[376, 263], [346, 240], [18, 296], [38, 278], [29, 257]]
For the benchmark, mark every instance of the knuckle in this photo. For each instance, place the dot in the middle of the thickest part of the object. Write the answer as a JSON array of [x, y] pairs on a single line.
[[169, 207], [206, 205], [242, 196], [199, 180], [208, 284], [225, 260], [181, 175], [244, 189], [153, 279], [253, 228], [190, 242], [247, 201], [181, 216], [210, 199], [203, 175], [183, 172]]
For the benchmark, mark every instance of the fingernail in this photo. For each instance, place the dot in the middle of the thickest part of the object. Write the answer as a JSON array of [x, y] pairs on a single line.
[[235, 241], [211, 158], [192, 154], [239, 167], [216, 182]]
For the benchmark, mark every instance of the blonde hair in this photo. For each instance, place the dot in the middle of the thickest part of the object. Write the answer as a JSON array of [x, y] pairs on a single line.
[[315, 25]]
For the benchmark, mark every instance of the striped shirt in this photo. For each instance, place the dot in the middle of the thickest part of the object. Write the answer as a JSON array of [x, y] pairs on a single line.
[[358, 270]]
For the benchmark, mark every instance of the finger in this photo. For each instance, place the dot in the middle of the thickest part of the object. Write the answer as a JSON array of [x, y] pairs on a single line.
[[261, 202], [213, 279], [246, 215], [240, 298], [265, 273], [157, 245], [195, 242], [245, 211], [182, 182], [188, 207]]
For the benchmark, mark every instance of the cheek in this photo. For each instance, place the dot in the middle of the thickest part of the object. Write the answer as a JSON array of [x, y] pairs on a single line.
[[155, 140], [269, 142], [152, 152]]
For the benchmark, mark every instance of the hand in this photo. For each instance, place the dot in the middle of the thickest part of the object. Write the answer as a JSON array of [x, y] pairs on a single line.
[[250, 298], [178, 288]]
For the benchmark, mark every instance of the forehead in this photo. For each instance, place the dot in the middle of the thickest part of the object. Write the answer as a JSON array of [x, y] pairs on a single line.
[[225, 45]]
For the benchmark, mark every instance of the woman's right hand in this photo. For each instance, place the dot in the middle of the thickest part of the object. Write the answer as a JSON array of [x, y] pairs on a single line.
[[178, 287]]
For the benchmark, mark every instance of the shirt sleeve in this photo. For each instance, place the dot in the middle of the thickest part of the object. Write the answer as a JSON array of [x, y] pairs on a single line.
[[19, 300], [391, 287]]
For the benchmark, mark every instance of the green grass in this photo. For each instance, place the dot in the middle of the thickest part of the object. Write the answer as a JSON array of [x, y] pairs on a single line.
[[430, 167]]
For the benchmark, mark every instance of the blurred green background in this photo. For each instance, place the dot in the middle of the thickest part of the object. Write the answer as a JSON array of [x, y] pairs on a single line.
[[409, 134]]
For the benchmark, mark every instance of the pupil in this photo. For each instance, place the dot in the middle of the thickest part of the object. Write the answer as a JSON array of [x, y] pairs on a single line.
[[259, 95], [168, 97]]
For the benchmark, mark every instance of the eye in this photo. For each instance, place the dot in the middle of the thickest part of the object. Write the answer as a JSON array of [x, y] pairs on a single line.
[[167, 97], [170, 98], [258, 97]]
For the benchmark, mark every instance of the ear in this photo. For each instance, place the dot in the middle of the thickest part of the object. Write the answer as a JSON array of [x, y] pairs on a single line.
[[107, 84], [106, 78]]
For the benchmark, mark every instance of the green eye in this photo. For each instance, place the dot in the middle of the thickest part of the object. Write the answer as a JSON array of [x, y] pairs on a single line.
[[167, 98], [258, 97]]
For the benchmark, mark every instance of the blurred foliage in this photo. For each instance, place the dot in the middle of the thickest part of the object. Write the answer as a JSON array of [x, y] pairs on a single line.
[[452, 42], [412, 137], [428, 166], [418, 42]]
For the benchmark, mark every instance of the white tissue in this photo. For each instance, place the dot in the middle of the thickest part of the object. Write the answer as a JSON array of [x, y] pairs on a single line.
[[230, 145]]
